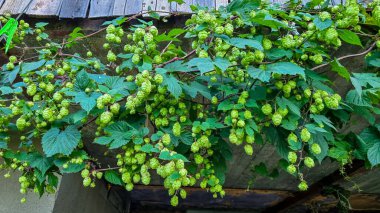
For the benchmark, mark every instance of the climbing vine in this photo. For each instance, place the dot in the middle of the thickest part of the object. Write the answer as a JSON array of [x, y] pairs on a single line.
[[175, 103]]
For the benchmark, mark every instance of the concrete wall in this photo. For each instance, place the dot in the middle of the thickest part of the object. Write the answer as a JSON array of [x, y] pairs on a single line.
[[10, 198]]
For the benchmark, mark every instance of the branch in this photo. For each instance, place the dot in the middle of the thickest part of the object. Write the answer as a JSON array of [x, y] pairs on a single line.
[[347, 56]]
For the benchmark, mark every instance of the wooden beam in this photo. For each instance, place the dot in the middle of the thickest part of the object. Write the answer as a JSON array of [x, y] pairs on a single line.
[[314, 190], [200, 198]]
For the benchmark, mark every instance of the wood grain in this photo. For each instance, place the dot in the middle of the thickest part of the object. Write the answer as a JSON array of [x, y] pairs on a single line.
[[101, 8], [14, 6], [44, 7], [133, 7], [119, 7], [74, 8]]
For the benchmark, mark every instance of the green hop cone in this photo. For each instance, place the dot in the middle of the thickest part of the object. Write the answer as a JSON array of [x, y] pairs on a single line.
[[248, 149], [31, 89], [174, 200], [309, 162], [291, 169], [177, 129], [316, 149], [292, 157], [303, 186], [277, 118], [183, 193], [305, 135], [292, 137], [266, 109], [166, 139], [86, 181]]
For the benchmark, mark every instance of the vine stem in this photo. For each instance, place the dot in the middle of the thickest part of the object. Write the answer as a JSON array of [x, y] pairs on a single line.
[[347, 56], [107, 169], [177, 59], [102, 29]]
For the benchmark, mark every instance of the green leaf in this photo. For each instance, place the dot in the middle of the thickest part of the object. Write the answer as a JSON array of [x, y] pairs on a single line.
[[349, 37], [286, 68], [340, 69], [120, 134], [149, 148], [113, 177], [9, 30], [277, 53], [243, 5], [63, 142], [283, 102], [173, 85], [40, 162], [52, 180], [176, 32], [222, 63], [322, 25], [27, 67], [82, 80], [260, 74], [261, 169], [87, 102], [321, 141], [243, 42], [354, 98], [203, 64]]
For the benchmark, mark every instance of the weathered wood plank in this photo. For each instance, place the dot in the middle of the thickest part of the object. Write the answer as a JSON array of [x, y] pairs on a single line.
[[163, 6], [74, 8], [44, 7], [14, 6], [205, 3], [101, 8], [133, 7], [119, 7], [200, 198], [219, 3], [173, 7], [1, 2], [185, 7], [148, 5]]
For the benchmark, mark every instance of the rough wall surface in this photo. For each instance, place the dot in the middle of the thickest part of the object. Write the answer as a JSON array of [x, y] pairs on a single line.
[[10, 198]]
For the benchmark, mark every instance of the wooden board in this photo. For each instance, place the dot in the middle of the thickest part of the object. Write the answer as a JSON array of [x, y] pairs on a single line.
[[148, 5], [119, 7], [185, 7], [205, 3], [44, 7], [133, 7], [14, 6], [101, 8], [74, 8], [219, 3], [163, 6]]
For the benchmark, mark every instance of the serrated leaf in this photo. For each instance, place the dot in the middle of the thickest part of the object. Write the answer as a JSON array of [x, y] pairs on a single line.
[[120, 134], [222, 63], [243, 5], [322, 25], [286, 68], [113, 177], [173, 85], [63, 142], [27, 67], [349, 37], [373, 154], [87, 102], [340, 69], [243, 43], [40, 162], [256, 73], [203, 64]]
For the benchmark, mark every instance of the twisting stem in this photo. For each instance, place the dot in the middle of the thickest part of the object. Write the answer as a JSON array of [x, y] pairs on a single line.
[[347, 56]]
